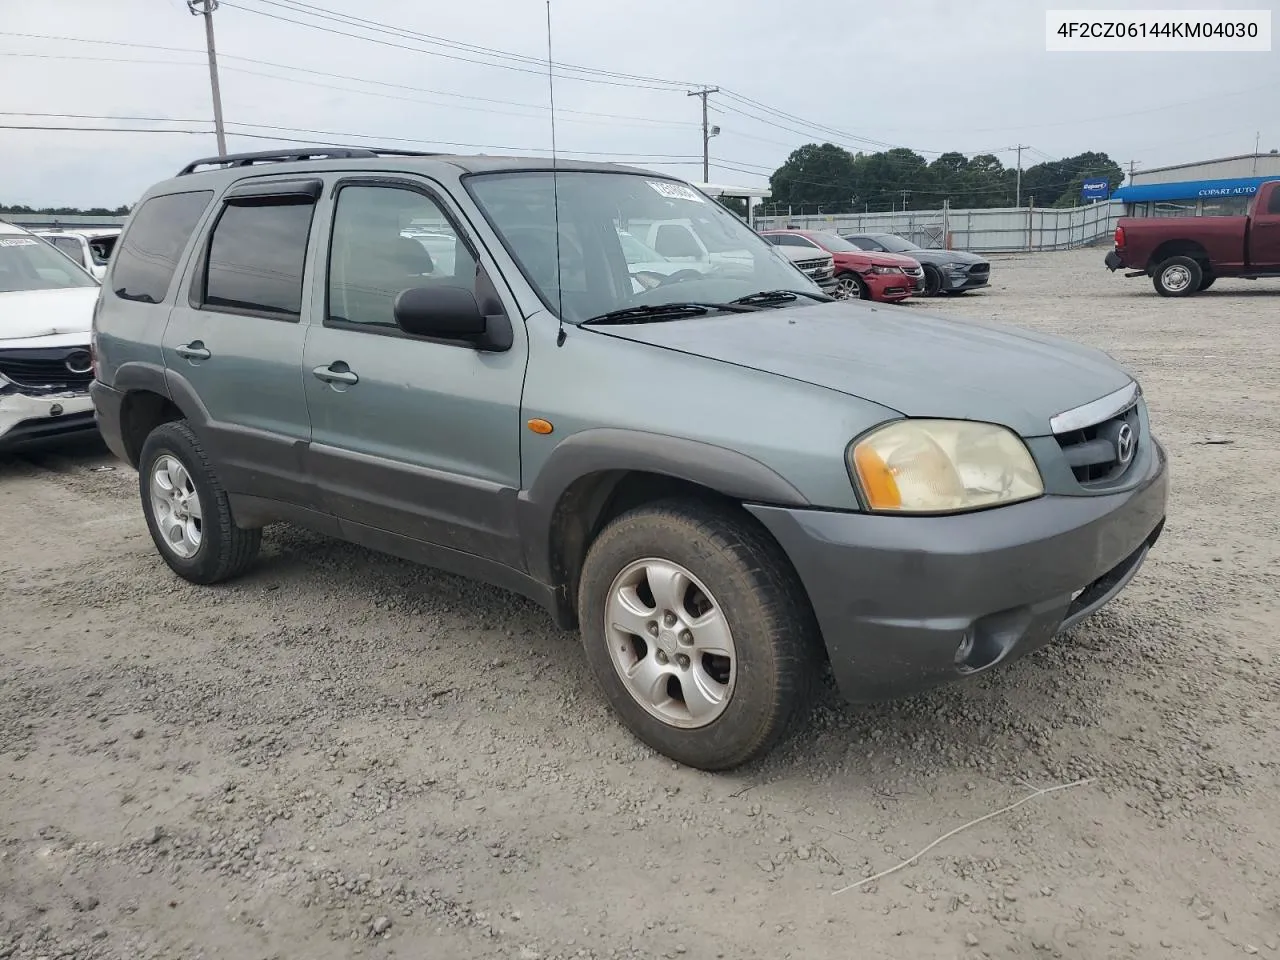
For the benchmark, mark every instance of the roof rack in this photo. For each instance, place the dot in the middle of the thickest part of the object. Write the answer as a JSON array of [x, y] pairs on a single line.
[[310, 153]]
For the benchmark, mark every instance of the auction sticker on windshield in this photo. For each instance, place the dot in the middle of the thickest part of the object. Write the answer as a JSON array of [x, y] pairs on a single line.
[[19, 242], [675, 191]]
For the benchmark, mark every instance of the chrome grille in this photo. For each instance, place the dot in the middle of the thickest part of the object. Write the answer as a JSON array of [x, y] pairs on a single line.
[[47, 367], [1100, 451]]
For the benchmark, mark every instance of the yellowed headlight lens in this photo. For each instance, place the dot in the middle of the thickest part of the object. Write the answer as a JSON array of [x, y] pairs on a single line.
[[943, 466]]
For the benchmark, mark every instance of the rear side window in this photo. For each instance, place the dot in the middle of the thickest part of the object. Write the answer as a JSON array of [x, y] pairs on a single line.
[[148, 253], [256, 258], [70, 246], [1273, 206]]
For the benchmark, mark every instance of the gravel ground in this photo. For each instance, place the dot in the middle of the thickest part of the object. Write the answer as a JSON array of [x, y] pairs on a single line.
[[344, 755]]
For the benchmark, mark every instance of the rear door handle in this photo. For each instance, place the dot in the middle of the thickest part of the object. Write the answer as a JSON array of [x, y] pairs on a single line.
[[336, 372], [195, 350]]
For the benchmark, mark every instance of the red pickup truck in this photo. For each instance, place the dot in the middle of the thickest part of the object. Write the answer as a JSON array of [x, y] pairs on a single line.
[[1184, 255]]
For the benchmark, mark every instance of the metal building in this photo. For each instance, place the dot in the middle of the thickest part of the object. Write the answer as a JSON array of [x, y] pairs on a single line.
[[1208, 188]]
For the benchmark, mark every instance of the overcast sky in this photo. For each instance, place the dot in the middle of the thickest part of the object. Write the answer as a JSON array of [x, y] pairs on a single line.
[[933, 75]]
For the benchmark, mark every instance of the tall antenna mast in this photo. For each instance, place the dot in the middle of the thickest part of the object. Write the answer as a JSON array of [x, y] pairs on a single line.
[[555, 186]]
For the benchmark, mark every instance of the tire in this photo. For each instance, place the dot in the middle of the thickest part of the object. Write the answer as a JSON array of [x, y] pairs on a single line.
[[1177, 277], [767, 684], [852, 286], [1206, 282], [932, 281], [223, 550]]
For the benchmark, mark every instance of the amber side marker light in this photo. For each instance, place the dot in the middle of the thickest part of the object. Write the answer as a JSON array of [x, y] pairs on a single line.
[[878, 484], [538, 425]]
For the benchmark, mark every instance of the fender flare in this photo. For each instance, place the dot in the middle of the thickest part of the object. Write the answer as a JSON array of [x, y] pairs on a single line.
[[611, 453]]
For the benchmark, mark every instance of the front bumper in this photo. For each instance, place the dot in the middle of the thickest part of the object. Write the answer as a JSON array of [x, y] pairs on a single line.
[[889, 287], [968, 280], [908, 603], [27, 418]]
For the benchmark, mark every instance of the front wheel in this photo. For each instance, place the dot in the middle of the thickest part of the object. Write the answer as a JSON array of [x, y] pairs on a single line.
[[698, 631], [1178, 277], [852, 287], [932, 281]]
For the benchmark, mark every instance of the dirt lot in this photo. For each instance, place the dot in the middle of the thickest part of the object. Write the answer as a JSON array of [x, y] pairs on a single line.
[[341, 743]]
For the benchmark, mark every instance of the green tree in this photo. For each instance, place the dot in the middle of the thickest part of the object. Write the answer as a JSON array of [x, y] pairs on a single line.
[[815, 174]]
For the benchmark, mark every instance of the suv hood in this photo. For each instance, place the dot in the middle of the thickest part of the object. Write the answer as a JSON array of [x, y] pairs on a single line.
[[33, 314], [920, 366]]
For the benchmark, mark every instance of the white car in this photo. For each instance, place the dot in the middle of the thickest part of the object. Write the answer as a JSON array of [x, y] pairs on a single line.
[[91, 248], [46, 313]]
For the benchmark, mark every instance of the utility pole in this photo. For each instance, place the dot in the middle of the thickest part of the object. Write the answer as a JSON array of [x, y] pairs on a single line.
[[1018, 190], [707, 131], [1131, 163], [904, 199], [1257, 145], [205, 8]]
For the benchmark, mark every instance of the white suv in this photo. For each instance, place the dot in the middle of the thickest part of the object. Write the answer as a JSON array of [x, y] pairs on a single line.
[[89, 248], [46, 311]]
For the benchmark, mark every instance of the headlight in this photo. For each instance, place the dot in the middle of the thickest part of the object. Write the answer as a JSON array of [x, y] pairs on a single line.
[[958, 267], [942, 466], [879, 269]]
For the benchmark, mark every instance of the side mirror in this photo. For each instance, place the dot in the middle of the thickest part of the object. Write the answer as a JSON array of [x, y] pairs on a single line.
[[446, 313]]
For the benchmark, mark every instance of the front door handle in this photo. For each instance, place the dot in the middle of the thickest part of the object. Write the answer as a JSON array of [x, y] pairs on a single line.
[[336, 372], [195, 350]]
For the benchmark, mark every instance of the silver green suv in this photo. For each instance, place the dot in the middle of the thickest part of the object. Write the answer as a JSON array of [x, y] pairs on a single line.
[[720, 475]]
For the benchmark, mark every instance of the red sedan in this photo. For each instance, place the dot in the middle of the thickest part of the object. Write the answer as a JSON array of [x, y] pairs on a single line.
[[888, 277]]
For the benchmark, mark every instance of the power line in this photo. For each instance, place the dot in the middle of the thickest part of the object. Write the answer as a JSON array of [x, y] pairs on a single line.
[[319, 73], [631, 157], [297, 6], [436, 53]]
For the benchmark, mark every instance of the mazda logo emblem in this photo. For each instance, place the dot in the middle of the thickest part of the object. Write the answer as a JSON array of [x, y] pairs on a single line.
[[1125, 443], [79, 361]]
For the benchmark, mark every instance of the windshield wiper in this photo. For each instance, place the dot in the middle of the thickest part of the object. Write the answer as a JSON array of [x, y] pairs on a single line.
[[766, 297], [667, 311]]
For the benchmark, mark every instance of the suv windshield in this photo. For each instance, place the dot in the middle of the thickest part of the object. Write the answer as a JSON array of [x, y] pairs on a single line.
[[894, 244], [610, 225], [28, 263]]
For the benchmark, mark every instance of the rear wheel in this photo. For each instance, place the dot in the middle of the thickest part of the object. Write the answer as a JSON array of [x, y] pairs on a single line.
[[1178, 277], [187, 510], [851, 287], [698, 631]]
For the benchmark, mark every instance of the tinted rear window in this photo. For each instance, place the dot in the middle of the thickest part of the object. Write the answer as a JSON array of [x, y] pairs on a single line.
[[148, 253], [256, 258]]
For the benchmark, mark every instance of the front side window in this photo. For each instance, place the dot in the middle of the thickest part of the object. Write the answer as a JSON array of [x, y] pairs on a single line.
[[385, 240], [705, 253], [152, 243], [29, 263], [256, 258], [1273, 206]]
